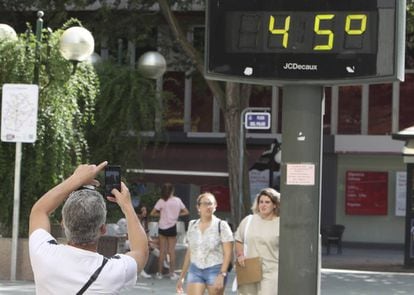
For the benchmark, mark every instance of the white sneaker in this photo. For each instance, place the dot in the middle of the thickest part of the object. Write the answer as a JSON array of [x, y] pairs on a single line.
[[145, 275], [174, 276], [158, 276]]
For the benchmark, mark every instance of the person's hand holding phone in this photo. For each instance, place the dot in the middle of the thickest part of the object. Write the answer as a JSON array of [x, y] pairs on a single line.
[[112, 179], [121, 197], [136, 234], [85, 174]]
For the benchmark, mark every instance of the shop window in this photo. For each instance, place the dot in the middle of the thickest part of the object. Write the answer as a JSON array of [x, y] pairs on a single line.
[[380, 109], [406, 102], [349, 110], [261, 96], [201, 96], [201, 105], [174, 101], [327, 115], [280, 107]]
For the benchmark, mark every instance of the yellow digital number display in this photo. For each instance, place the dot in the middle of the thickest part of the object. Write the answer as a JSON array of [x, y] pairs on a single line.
[[283, 31], [325, 28], [361, 19], [318, 41], [320, 18]]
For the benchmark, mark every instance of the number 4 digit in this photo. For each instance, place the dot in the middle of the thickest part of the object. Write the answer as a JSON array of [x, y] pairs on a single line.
[[284, 31]]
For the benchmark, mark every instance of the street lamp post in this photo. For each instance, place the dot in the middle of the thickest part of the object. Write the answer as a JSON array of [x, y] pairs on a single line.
[[76, 44], [39, 27], [18, 158], [152, 65]]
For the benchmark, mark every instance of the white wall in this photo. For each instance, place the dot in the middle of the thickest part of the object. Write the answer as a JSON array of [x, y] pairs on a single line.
[[387, 229]]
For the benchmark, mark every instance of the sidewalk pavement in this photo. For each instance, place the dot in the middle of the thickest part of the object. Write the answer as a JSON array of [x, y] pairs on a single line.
[[371, 259], [341, 274]]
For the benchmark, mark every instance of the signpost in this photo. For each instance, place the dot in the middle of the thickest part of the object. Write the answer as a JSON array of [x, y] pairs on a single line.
[[304, 45], [253, 119], [18, 124]]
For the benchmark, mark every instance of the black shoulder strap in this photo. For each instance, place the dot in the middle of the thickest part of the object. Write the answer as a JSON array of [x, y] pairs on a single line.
[[219, 226], [193, 223], [93, 277]]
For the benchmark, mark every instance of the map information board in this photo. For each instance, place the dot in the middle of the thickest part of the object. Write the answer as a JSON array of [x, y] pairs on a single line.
[[19, 112]]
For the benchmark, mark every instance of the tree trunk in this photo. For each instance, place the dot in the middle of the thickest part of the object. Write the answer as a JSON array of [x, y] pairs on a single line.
[[237, 97], [232, 102], [190, 51]]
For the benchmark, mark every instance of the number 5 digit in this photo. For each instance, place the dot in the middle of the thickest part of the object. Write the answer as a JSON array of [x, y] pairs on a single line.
[[319, 31]]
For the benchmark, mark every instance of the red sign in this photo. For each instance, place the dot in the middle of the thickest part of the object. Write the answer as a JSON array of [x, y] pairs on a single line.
[[366, 193]]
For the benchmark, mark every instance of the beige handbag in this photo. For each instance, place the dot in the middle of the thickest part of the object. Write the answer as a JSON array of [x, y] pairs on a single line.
[[251, 272]]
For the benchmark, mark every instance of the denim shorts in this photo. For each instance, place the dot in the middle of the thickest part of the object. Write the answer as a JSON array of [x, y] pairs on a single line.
[[204, 275]]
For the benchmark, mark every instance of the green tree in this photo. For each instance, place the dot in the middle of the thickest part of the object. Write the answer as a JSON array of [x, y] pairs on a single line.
[[125, 106], [122, 16], [409, 56], [66, 108], [232, 97]]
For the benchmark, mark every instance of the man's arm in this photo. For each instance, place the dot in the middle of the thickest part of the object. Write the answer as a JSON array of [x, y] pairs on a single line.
[[39, 215], [138, 241]]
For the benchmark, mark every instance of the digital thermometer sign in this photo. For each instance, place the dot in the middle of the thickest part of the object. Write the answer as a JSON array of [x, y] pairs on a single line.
[[303, 41]]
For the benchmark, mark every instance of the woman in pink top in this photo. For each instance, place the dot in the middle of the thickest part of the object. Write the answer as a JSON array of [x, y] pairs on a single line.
[[168, 208]]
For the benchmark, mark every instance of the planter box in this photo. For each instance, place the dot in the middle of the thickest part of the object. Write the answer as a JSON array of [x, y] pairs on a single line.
[[23, 268]]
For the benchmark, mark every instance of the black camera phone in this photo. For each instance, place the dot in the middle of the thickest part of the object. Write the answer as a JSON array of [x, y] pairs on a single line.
[[112, 179]]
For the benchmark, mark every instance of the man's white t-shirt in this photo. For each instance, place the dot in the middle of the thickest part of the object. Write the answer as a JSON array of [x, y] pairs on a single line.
[[63, 269]]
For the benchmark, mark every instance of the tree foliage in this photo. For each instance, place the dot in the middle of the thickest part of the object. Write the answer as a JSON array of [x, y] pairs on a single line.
[[126, 105], [409, 56], [232, 97], [66, 108]]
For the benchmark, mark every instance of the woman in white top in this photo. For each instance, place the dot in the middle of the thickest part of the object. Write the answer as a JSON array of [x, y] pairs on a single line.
[[210, 243], [262, 239]]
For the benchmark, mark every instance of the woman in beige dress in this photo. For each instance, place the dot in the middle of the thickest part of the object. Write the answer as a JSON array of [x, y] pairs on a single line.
[[261, 240]]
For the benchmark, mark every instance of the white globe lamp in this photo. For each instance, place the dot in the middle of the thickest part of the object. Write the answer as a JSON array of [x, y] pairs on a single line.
[[76, 44], [7, 33], [152, 65]]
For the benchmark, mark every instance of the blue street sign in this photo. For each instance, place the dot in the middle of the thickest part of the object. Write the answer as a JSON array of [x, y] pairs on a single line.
[[256, 120]]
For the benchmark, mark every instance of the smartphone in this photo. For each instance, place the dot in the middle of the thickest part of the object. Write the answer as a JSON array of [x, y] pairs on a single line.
[[112, 179]]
